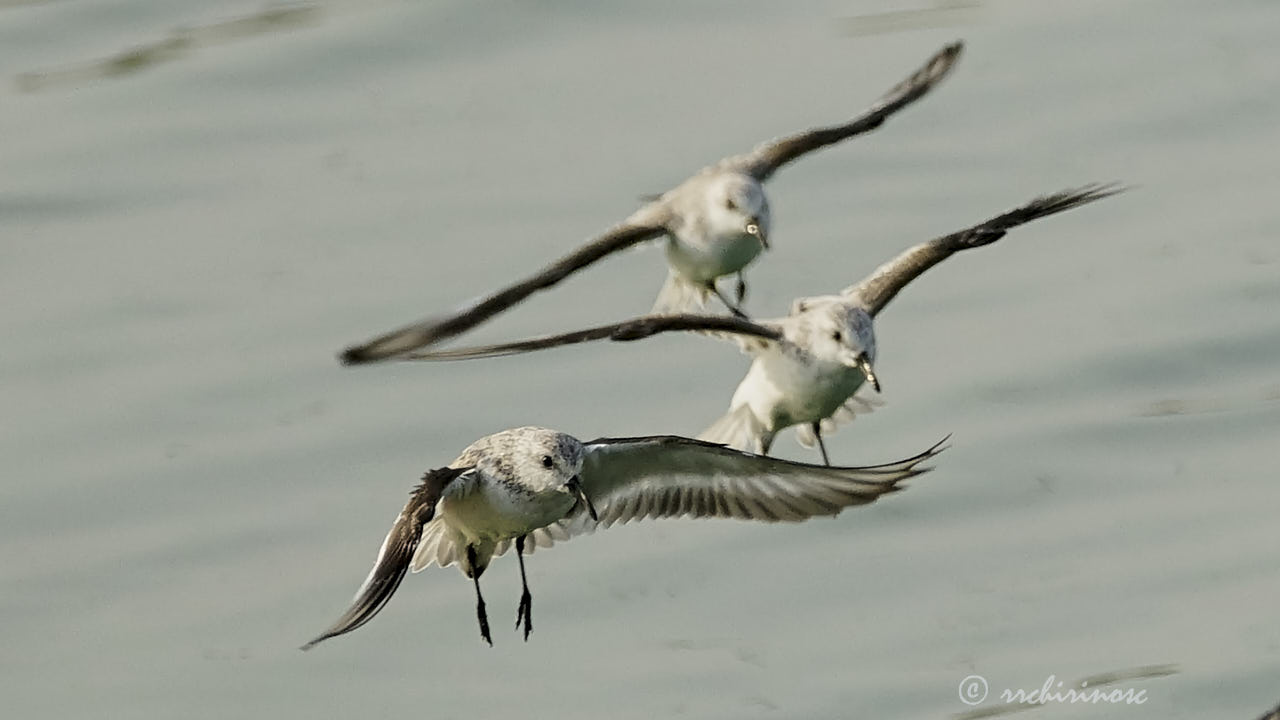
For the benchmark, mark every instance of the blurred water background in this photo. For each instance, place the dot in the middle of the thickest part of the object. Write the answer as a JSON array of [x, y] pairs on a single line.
[[201, 202]]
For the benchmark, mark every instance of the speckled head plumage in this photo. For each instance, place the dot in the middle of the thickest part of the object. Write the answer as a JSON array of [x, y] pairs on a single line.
[[539, 457]]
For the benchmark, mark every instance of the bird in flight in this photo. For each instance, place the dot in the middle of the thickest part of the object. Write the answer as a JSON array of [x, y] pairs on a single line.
[[716, 223], [806, 367], [531, 487]]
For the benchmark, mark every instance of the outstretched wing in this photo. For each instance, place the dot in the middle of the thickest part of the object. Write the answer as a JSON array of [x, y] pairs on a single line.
[[768, 157], [646, 224], [634, 329], [873, 293], [396, 553], [668, 476]]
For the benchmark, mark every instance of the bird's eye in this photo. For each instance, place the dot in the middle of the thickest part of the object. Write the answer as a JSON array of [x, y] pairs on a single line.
[[837, 336], [546, 461], [730, 204]]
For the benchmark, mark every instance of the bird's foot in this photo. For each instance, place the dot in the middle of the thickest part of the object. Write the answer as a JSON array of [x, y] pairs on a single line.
[[524, 614], [483, 617]]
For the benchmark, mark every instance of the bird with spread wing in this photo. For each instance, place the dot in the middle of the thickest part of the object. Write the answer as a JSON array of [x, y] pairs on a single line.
[[807, 367], [716, 223]]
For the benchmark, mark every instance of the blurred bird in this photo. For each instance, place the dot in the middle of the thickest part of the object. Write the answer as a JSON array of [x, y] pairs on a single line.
[[716, 223], [807, 366]]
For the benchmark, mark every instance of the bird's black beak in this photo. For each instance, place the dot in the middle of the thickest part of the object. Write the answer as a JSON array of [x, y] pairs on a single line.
[[575, 484], [865, 366], [756, 230]]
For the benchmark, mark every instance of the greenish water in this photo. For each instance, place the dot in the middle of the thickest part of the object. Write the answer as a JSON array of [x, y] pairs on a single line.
[[200, 204]]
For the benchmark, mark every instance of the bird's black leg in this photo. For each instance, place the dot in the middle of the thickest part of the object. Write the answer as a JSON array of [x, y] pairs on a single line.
[[817, 432], [481, 615], [741, 288], [525, 611], [737, 311]]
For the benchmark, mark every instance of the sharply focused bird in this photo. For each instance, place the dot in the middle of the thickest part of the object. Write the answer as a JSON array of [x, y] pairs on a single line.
[[536, 486], [807, 366], [716, 223]]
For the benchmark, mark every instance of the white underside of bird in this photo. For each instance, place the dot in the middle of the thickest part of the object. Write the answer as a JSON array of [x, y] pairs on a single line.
[[810, 376]]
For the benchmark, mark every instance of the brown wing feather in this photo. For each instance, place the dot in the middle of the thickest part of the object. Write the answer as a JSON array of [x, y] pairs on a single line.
[[394, 557], [662, 476], [430, 332], [626, 331], [766, 159], [873, 293]]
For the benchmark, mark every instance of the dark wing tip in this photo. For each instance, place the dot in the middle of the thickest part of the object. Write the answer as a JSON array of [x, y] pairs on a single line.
[[937, 67], [397, 342], [1063, 200], [910, 464], [1040, 207], [933, 451], [395, 556], [314, 642], [941, 63], [1083, 194], [941, 445], [356, 356], [386, 346], [393, 563]]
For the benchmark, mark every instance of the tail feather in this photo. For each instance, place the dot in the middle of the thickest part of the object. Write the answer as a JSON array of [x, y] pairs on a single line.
[[436, 547], [679, 296], [740, 429]]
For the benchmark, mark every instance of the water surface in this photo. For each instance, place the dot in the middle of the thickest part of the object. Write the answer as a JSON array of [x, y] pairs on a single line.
[[193, 487]]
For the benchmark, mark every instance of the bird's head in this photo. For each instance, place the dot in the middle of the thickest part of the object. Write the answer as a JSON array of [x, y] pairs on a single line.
[[843, 334], [738, 204], [543, 458], [549, 460]]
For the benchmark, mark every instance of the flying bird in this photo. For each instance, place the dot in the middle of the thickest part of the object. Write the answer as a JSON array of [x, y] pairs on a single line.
[[807, 366], [716, 223], [531, 487]]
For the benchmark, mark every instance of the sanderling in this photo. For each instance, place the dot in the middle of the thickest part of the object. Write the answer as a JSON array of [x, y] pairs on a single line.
[[716, 223], [536, 486], [807, 366]]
